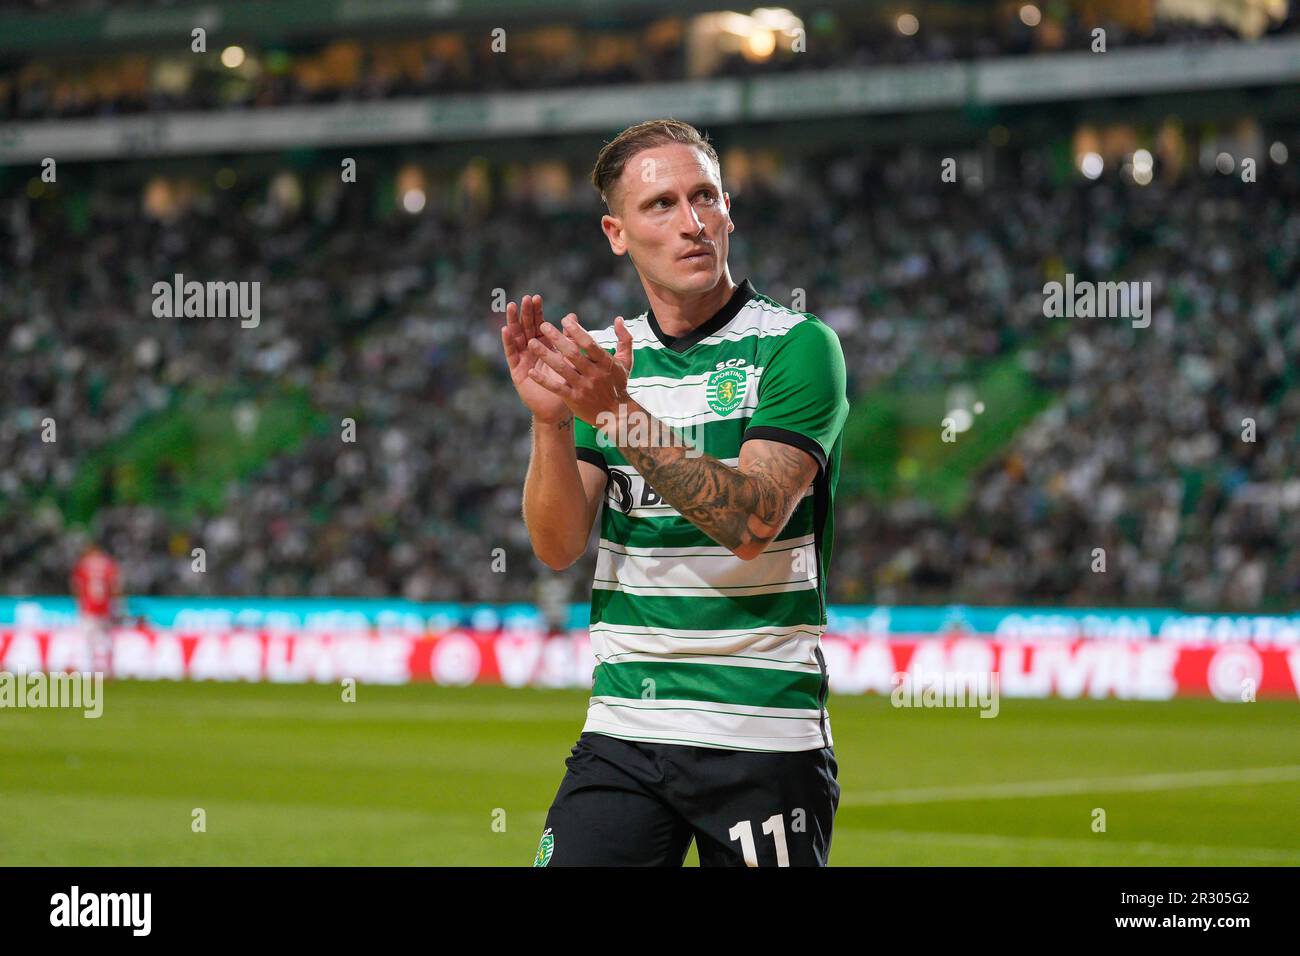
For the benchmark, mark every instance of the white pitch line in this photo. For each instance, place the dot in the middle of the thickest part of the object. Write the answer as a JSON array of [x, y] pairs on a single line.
[[993, 841], [1065, 788]]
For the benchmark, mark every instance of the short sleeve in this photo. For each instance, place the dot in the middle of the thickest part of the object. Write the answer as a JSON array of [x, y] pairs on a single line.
[[802, 394], [587, 445]]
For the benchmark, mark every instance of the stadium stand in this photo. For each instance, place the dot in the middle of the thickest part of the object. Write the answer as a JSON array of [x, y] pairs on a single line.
[[376, 314]]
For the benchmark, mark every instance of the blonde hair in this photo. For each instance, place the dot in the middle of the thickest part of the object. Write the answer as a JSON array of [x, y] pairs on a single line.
[[660, 132]]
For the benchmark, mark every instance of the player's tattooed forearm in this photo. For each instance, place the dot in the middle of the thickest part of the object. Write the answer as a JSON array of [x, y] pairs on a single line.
[[564, 425], [733, 508]]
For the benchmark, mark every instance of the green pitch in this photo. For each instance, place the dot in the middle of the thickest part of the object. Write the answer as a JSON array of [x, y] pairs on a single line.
[[431, 775]]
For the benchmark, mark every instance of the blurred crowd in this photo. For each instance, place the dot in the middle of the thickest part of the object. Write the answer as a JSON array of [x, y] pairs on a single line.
[[387, 318], [1166, 471], [367, 69]]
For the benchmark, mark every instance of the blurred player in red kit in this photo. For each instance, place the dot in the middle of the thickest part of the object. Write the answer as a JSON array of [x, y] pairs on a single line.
[[97, 587]]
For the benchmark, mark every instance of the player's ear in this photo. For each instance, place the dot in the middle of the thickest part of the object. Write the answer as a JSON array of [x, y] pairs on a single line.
[[612, 226]]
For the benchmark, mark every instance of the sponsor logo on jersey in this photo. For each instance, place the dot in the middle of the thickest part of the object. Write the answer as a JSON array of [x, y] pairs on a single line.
[[620, 489]]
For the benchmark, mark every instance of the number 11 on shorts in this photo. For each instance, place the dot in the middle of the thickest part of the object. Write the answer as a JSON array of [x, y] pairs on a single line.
[[774, 825]]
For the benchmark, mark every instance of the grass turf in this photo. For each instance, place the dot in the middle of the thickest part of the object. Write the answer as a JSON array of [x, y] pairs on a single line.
[[291, 775]]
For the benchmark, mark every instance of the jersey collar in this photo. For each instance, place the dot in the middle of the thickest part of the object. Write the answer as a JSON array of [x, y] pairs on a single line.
[[744, 292]]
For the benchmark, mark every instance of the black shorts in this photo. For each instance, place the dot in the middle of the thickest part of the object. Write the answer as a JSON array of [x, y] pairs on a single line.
[[626, 803]]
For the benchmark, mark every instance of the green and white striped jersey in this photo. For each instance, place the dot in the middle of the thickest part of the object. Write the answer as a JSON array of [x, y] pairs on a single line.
[[693, 645]]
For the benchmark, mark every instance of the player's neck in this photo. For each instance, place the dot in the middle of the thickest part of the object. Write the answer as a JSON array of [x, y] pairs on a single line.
[[680, 315]]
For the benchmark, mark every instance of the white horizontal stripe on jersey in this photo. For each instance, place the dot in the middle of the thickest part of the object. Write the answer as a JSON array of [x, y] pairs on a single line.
[[684, 401], [707, 571], [736, 710], [792, 645], [756, 318], [742, 590], [734, 333], [707, 724]]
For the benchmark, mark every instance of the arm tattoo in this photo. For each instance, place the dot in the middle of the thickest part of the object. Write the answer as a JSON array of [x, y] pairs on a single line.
[[732, 507], [563, 425]]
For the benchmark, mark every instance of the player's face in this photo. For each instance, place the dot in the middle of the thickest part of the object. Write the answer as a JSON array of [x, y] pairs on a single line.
[[673, 218]]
